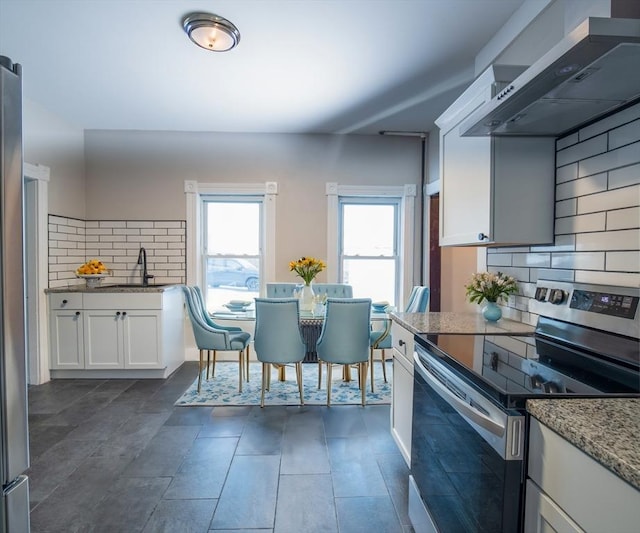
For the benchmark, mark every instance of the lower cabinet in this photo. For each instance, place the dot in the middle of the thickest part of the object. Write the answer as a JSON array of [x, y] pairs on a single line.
[[129, 334], [402, 389], [569, 491]]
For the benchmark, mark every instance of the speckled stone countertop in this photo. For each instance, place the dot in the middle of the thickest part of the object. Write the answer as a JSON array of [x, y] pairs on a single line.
[[606, 429], [111, 288], [459, 324]]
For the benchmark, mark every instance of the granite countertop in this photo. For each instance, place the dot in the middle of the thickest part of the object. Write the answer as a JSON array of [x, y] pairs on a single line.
[[111, 288], [606, 429], [459, 324]]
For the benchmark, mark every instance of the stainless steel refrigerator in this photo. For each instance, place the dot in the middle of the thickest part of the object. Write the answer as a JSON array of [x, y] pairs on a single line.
[[14, 443]]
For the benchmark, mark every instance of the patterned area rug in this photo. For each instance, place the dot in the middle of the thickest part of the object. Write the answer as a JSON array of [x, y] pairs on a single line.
[[223, 389]]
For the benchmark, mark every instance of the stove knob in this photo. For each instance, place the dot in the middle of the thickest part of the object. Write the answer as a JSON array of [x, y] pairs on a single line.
[[557, 296]]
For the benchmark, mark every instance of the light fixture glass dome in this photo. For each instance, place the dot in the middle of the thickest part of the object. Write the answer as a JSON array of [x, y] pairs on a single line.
[[211, 32]]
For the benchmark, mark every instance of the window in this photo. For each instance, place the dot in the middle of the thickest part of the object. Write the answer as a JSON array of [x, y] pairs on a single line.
[[369, 246], [370, 239], [232, 247]]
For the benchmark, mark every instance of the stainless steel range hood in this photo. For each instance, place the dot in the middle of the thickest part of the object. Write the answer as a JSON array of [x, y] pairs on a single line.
[[592, 71]]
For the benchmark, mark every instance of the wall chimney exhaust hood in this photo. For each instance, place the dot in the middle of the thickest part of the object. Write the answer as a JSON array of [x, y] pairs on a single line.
[[592, 71]]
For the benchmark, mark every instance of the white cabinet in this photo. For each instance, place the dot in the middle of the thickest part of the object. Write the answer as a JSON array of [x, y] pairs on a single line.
[[402, 389], [66, 331], [133, 334], [493, 190], [568, 491]]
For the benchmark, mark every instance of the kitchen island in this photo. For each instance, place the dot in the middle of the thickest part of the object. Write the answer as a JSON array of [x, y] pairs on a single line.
[[116, 331]]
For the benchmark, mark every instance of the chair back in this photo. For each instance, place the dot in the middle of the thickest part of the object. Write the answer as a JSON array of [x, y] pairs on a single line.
[[281, 290], [345, 332], [333, 290], [277, 337], [206, 337], [418, 300]]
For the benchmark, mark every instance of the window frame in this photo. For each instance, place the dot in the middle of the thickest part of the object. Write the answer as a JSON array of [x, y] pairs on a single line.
[[196, 192], [407, 194]]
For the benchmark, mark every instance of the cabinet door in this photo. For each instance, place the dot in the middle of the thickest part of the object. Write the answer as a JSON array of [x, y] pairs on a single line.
[[543, 515], [141, 336], [67, 351], [103, 339], [402, 404]]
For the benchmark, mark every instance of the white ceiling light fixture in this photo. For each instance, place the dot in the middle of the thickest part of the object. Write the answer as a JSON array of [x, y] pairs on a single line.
[[211, 32]]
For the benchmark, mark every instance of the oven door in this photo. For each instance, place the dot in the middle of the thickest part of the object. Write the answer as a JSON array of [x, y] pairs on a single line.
[[467, 468]]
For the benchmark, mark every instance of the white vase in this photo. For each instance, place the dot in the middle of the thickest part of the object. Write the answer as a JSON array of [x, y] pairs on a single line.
[[306, 298]]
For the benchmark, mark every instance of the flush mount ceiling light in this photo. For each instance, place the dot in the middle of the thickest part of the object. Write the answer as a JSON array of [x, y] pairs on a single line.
[[211, 32]]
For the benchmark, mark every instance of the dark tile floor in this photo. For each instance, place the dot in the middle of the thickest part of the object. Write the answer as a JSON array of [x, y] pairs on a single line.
[[117, 456]]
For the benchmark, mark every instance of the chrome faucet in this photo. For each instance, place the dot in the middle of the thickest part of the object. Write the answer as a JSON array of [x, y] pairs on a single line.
[[142, 260]]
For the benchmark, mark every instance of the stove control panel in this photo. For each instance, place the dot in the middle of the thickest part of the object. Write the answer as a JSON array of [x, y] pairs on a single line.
[[605, 303]]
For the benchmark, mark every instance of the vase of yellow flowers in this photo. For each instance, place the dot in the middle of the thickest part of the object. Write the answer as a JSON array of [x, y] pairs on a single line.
[[307, 268], [491, 287]]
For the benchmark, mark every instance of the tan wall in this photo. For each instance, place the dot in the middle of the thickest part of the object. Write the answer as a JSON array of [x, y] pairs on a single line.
[[458, 264]]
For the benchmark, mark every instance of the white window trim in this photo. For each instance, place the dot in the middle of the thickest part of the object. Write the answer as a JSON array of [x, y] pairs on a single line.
[[407, 194], [194, 191]]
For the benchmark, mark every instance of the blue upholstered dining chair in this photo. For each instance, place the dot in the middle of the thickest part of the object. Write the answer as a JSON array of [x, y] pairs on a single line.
[[344, 339], [381, 339], [281, 290], [333, 290], [214, 339], [277, 339]]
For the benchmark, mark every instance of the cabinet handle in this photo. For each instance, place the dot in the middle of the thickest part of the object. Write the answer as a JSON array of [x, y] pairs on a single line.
[[483, 237], [64, 302], [77, 313], [118, 313], [124, 313], [401, 342]]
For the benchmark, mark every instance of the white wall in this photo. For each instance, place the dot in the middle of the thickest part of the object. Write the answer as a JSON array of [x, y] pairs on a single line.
[[51, 142], [140, 175]]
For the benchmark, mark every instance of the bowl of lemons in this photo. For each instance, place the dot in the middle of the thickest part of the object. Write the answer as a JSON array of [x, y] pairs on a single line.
[[93, 271]]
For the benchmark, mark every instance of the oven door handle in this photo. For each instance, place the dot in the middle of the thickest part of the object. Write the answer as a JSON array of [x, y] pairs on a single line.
[[463, 408]]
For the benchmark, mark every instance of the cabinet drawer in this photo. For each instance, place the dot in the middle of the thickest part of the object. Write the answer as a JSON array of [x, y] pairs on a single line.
[[402, 341], [123, 301], [65, 300]]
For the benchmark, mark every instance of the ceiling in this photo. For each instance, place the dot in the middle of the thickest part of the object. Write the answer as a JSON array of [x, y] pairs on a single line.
[[302, 66]]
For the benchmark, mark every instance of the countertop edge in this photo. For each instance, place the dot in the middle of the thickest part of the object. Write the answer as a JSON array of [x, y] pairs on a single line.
[[586, 423], [106, 289], [455, 323]]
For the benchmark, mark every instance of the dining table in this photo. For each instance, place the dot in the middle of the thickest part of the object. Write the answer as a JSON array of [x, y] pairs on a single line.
[[310, 327]]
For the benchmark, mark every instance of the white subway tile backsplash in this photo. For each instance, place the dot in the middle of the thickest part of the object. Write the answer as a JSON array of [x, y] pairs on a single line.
[[623, 135], [609, 240], [611, 122], [567, 173], [532, 260], [609, 200], [579, 260], [116, 243], [581, 223], [554, 274], [592, 147], [580, 187], [563, 243], [622, 279], [499, 259], [622, 157], [623, 261], [567, 141], [566, 208], [622, 177], [623, 218]]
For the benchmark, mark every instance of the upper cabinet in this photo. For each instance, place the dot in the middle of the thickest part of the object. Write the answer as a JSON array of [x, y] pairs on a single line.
[[493, 190]]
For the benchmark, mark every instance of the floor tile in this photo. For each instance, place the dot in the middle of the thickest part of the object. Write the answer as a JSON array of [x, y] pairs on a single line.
[[364, 515], [181, 516]]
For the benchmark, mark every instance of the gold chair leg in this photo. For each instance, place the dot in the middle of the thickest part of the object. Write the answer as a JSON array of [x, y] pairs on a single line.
[[200, 372], [269, 376], [247, 371], [329, 382], [213, 366], [384, 366], [371, 366], [264, 380], [240, 369], [363, 373], [299, 376]]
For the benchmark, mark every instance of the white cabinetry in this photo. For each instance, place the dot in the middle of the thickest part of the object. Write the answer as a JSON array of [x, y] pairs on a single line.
[[402, 389], [493, 190], [66, 331], [110, 334], [568, 491]]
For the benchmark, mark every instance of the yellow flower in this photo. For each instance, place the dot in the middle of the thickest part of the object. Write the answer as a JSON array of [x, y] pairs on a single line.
[[307, 268]]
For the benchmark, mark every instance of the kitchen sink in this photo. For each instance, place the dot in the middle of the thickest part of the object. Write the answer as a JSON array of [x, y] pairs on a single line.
[[134, 286]]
